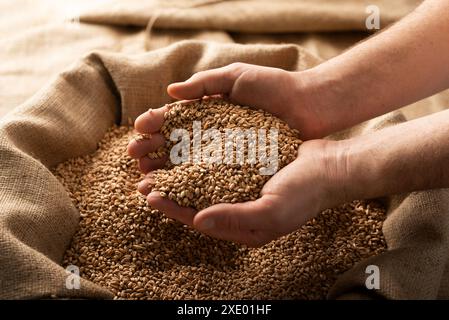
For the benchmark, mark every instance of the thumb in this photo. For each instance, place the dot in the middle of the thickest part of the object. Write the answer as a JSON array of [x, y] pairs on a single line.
[[251, 223], [206, 83]]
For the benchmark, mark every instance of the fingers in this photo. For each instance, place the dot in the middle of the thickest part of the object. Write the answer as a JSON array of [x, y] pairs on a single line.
[[171, 209], [206, 83], [248, 223], [140, 148], [146, 164], [144, 186], [150, 121], [252, 223]]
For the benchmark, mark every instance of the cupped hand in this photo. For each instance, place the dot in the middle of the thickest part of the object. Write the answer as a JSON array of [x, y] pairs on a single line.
[[290, 198], [285, 94]]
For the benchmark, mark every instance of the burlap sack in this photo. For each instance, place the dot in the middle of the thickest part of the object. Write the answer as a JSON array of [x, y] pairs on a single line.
[[69, 116]]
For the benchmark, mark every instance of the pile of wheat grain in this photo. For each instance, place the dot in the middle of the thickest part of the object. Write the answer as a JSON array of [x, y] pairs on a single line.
[[137, 253]]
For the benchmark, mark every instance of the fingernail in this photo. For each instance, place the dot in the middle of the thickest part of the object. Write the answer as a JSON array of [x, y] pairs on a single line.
[[207, 224]]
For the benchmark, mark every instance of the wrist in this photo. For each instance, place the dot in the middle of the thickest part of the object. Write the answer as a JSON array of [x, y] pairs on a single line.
[[360, 171], [338, 184], [407, 157], [317, 101], [327, 163], [353, 171]]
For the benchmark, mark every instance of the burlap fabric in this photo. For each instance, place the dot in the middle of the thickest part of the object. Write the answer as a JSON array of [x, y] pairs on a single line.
[[67, 117]]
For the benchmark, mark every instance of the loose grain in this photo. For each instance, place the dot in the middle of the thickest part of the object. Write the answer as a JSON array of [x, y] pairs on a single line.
[[138, 253], [201, 184]]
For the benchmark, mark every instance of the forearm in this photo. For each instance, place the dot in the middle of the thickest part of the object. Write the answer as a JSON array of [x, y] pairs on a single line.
[[399, 66], [407, 157]]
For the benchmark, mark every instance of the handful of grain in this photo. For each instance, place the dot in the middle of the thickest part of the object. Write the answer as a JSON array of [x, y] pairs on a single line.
[[232, 167]]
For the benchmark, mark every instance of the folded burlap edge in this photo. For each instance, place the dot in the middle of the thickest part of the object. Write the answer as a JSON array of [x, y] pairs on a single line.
[[248, 16]]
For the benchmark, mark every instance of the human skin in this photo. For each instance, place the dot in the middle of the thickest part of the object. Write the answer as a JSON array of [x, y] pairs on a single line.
[[405, 63]]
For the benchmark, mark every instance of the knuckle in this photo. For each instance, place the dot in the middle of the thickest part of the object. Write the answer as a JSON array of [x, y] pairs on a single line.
[[237, 67], [198, 75], [232, 223]]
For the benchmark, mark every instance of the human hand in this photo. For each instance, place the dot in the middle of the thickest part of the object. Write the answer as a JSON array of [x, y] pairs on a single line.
[[284, 94], [291, 197]]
